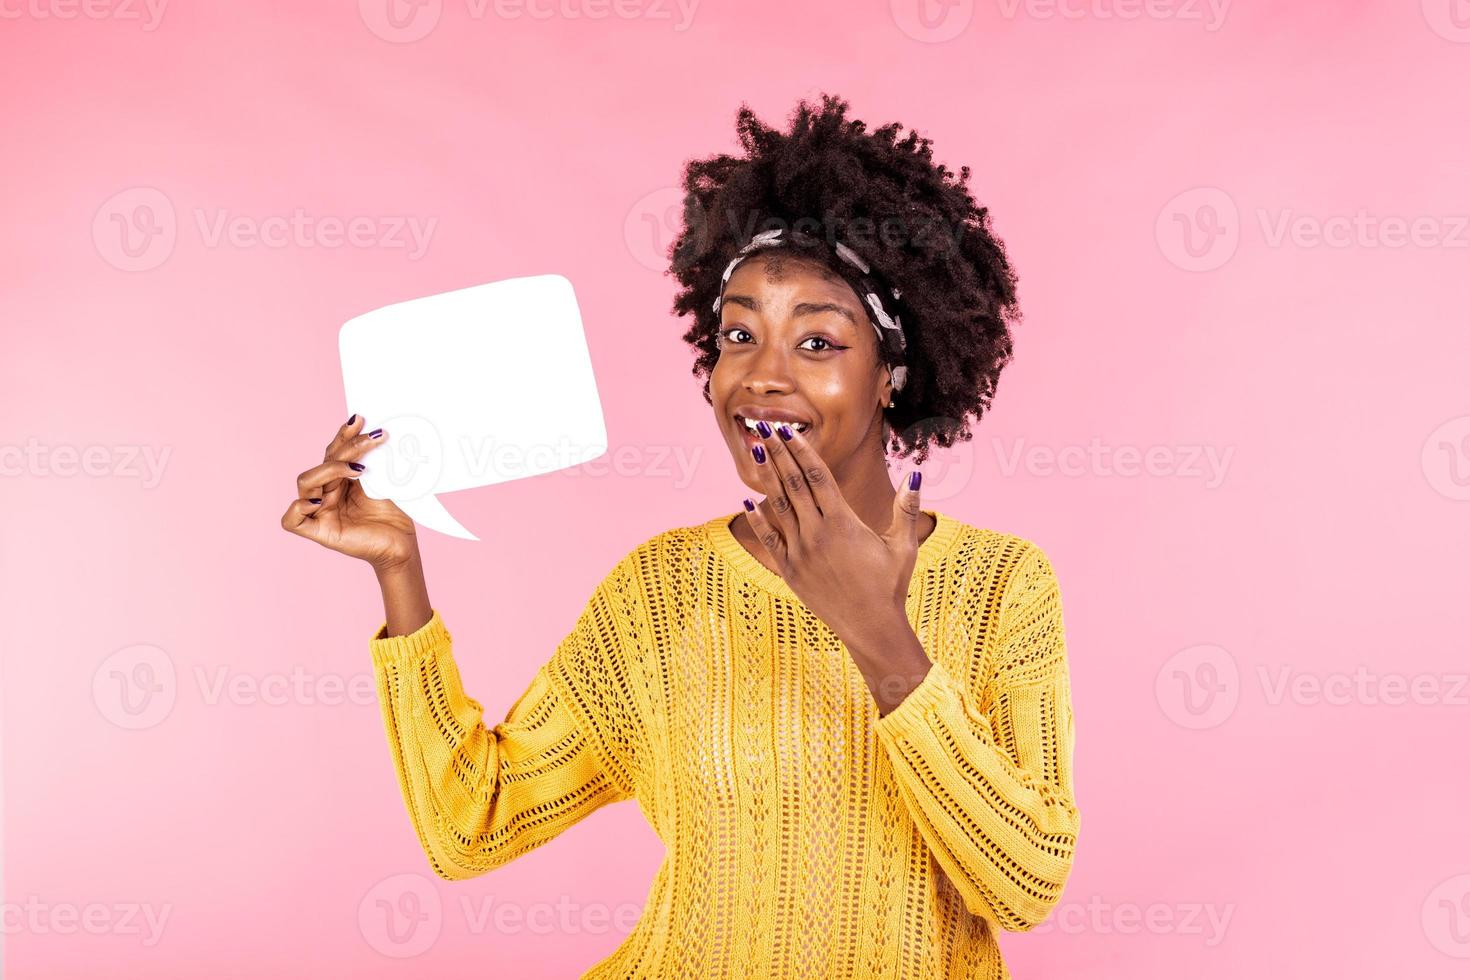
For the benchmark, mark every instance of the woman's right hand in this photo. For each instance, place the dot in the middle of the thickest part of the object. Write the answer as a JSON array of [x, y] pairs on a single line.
[[331, 508]]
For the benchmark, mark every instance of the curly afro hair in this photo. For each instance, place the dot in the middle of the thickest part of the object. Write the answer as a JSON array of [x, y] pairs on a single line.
[[915, 225]]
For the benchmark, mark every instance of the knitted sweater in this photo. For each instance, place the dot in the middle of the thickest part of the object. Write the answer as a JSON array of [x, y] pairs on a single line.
[[806, 836]]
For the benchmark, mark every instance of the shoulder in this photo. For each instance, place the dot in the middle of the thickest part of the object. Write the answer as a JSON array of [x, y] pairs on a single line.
[[1020, 566]]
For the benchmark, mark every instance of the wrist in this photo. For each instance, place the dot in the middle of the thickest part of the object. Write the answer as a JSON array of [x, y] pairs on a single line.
[[395, 568]]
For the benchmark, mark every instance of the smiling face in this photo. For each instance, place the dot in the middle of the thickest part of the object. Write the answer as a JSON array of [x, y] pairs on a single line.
[[796, 344]]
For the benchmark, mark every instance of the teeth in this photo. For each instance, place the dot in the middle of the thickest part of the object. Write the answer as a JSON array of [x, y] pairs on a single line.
[[798, 426]]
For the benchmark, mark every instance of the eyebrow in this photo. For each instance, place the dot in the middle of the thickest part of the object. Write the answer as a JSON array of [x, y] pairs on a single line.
[[801, 309]]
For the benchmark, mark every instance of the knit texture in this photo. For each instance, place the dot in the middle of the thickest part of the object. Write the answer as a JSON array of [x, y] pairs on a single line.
[[806, 836]]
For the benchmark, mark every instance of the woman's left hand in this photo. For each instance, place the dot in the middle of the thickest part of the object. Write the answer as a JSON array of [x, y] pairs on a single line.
[[855, 579]]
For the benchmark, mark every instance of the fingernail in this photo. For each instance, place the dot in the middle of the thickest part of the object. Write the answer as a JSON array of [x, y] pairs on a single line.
[[914, 479], [375, 433], [357, 466], [760, 452], [785, 431], [353, 419], [763, 428], [313, 500], [748, 504]]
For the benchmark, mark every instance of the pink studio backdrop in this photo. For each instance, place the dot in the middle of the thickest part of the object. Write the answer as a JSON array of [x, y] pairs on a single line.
[[1238, 421]]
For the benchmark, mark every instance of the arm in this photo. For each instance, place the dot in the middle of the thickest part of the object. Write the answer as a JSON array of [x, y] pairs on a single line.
[[991, 791], [480, 796]]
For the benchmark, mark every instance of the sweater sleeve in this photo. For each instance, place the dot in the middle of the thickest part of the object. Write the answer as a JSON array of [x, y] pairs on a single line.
[[991, 791], [481, 796]]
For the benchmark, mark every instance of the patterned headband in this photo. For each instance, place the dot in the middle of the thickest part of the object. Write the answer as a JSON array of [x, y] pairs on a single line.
[[881, 320]]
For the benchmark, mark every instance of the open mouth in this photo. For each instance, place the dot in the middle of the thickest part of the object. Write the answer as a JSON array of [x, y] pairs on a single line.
[[751, 436]]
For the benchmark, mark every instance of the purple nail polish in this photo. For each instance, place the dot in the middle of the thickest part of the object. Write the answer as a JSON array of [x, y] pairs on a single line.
[[357, 466], [785, 431], [353, 419], [748, 504], [760, 453], [763, 427], [914, 479], [313, 500], [375, 433]]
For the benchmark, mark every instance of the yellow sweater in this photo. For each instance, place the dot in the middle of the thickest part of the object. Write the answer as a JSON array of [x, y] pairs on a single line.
[[805, 835]]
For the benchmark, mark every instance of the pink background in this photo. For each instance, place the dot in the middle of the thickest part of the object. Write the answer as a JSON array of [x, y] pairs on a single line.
[[1229, 829]]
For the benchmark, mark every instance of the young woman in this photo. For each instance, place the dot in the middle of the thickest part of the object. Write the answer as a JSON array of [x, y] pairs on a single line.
[[848, 717]]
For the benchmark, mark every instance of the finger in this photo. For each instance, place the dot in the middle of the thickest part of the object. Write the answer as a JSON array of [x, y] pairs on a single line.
[[788, 471], [766, 533], [350, 450], [778, 509], [819, 480], [298, 519], [348, 430], [906, 511], [313, 482]]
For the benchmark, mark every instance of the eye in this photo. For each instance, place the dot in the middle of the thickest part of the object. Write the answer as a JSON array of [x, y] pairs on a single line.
[[821, 340], [723, 335]]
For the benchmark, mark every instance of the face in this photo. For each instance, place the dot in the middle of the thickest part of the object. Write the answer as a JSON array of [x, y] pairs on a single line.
[[797, 345]]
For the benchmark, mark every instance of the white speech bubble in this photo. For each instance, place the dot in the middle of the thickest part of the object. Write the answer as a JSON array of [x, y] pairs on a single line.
[[473, 387]]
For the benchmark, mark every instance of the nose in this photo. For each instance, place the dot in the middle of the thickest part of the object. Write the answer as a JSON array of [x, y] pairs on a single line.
[[769, 371]]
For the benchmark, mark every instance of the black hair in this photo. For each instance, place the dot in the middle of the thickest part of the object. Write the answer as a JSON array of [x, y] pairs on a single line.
[[911, 220]]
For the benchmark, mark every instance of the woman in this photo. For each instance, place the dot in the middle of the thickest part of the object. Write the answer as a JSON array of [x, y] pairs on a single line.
[[848, 717]]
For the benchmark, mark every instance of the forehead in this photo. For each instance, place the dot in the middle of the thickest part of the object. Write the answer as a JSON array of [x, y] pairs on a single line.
[[771, 271]]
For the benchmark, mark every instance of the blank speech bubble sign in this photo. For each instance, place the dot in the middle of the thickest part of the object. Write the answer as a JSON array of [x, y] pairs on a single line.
[[473, 387]]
